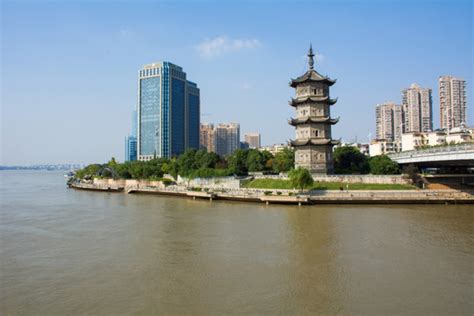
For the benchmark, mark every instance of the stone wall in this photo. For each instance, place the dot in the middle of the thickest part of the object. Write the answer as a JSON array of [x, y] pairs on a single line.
[[211, 183], [128, 184], [365, 178], [379, 179]]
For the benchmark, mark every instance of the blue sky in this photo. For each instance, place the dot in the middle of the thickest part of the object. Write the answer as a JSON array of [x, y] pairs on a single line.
[[69, 69]]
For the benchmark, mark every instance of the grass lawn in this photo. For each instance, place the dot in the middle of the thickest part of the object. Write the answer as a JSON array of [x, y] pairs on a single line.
[[285, 184]]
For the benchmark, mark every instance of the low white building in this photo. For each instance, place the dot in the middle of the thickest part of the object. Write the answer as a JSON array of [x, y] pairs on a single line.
[[383, 147], [362, 147], [274, 149], [460, 137], [412, 141]]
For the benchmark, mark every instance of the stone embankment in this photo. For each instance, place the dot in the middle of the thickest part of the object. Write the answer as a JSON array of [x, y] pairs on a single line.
[[283, 196]]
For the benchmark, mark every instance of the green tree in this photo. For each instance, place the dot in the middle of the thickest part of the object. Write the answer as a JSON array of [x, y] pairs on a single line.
[[284, 160], [112, 163], [349, 160], [255, 160], [300, 178], [383, 165], [187, 162], [238, 162], [89, 171], [173, 168], [123, 170], [206, 159]]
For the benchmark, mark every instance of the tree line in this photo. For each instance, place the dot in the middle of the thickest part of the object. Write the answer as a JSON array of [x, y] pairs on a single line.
[[195, 164], [202, 164]]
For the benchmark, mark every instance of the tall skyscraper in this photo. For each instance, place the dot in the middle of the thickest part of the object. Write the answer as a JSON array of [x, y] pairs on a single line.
[[452, 102], [168, 111], [389, 124], [227, 138], [134, 131], [417, 109], [253, 139], [208, 137], [131, 140]]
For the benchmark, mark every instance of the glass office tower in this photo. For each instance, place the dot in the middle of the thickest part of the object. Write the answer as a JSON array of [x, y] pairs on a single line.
[[168, 111], [131, 140], [130, 148]]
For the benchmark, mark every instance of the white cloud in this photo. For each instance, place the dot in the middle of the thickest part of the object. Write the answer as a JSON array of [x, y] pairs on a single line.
[[220, 45], [125, 33]]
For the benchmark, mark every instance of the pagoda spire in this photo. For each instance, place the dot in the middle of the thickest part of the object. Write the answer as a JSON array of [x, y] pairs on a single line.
[[310, 57]]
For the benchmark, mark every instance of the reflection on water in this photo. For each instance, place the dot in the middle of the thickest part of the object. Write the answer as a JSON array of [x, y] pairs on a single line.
[[77, 252]]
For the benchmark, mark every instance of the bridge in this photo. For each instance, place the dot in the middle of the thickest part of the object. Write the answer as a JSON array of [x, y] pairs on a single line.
[[458, 155]]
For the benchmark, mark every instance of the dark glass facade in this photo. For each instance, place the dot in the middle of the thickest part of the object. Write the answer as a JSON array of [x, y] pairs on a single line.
[[193, 116], [130, 148], [178, 104]]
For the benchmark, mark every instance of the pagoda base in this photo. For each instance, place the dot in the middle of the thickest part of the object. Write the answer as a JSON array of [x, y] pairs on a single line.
[[316, 159]]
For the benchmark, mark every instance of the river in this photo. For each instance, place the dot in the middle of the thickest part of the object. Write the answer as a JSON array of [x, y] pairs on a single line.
[[68, 252]]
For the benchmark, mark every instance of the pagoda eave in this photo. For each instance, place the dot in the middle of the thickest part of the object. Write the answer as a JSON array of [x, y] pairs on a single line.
[[314, 142], [309, 120], [296, 102], [314, 76]]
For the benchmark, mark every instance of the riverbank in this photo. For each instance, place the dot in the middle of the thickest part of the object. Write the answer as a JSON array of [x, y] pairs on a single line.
[[282, 196], [286, 184]]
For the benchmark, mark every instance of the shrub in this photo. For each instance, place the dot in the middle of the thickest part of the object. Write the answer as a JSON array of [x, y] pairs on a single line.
[[383, 165], [300, 178]]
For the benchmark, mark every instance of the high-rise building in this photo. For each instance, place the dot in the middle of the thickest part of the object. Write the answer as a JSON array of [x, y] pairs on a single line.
[[131, 140], [313, 144], [133, 132], [452, 102], [130, 148], [168, 111], [227, 138], [253, 139], [417, 109], [389, 125], [207, 137]]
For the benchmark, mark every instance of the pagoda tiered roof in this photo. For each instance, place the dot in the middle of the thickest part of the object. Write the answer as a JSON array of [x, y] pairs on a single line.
[[312, 75], [313, 141], [309, 119], [325, 99]]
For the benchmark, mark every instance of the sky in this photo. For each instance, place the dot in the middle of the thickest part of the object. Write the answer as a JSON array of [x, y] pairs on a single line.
[[69, 69]]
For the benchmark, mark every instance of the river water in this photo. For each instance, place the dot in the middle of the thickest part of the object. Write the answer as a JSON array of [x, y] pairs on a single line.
[[68, 252]]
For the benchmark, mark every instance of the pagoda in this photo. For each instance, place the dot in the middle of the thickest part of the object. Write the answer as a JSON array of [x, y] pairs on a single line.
[[313, 144]]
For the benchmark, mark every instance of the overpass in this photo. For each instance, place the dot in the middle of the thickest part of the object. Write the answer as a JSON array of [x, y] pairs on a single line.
[[458, 155]]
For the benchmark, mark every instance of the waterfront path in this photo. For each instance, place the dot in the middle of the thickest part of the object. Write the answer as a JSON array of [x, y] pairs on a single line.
[[299, 198]]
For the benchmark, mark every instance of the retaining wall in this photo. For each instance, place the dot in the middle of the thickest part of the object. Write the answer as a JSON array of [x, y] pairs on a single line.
[[350, 178]]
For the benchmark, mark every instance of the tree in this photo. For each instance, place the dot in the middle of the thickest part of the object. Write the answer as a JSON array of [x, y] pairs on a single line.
[[349, 160], [123, 170], [204, 159], [284, 160], [300, 178], [411, 172], [238, 162], [89, 171], [255, 160], [186, 162], [383, 165]]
